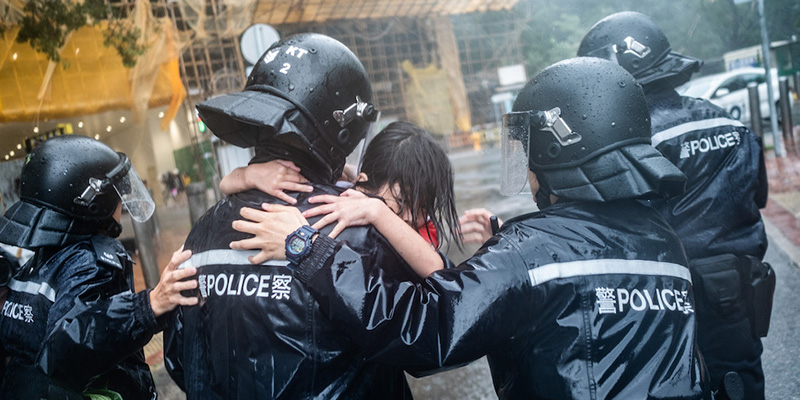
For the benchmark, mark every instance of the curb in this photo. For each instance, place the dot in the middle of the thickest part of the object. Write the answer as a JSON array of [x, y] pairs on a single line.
[[775, 235]]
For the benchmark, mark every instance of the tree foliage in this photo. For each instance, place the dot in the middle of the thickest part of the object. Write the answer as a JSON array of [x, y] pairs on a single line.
[[47, 24], [701, 28]]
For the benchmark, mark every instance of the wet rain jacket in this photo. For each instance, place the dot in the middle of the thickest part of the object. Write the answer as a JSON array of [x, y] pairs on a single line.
[[719, 222], [578, 301], [719, 212], [258, 333], [70, 321]]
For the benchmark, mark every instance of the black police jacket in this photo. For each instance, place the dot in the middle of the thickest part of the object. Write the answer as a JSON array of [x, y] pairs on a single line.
[[578, 301], [727, 179], [70, 324], [257, 332]]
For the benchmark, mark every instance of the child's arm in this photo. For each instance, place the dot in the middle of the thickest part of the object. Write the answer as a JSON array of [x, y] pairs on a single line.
[[273, 177], [351, 209]]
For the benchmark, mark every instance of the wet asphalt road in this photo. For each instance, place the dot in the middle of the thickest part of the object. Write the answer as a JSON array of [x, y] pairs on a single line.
[[477, 185], [781, 358]]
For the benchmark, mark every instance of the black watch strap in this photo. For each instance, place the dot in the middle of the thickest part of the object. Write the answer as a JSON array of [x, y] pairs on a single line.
[[323, 249]]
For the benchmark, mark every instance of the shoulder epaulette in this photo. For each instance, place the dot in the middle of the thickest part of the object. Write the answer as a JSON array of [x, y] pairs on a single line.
[[105, 249]]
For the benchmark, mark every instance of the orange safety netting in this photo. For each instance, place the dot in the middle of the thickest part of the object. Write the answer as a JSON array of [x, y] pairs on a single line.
[[91, 78]]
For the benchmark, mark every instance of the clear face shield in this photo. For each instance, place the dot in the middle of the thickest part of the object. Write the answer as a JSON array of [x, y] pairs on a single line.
[[628, 46], [515, 146], [135, 197], [514, 152], [608, 52], [130, 188], [354, 160]]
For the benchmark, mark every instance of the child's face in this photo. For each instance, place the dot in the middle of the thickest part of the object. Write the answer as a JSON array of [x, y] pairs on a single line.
[[396, 205]]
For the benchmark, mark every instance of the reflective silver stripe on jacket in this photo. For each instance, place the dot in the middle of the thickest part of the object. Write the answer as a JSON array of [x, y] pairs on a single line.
[[683, 129], [33, 288], [227, 257], [548, 272]]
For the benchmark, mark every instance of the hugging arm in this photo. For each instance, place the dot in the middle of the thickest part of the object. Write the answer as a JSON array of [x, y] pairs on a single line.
[[454, 316], [272, 177], [346, 210]]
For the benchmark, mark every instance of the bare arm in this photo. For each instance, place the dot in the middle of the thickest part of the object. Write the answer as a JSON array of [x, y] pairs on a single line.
[[349, 210], [273, 177], [270, 228]]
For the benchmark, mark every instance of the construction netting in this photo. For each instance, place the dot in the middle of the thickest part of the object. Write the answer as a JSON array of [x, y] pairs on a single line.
[[193, 46], [427, 98], [229, 19]]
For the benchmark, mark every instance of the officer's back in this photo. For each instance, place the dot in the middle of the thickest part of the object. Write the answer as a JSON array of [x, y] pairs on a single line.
[[257, 333]]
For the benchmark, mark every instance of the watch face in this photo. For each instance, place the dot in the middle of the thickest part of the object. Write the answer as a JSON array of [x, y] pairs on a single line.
[[296, 245]]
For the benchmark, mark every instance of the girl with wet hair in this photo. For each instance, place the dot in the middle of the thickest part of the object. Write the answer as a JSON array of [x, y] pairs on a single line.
[[405, 165], [405, 177]]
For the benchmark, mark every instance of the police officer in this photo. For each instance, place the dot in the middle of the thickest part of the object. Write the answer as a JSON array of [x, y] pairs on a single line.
[[258, 333], [70, 325], [718, 217], [588, 298]]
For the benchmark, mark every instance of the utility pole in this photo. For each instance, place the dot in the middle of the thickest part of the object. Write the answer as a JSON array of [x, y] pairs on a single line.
[[773, 115]]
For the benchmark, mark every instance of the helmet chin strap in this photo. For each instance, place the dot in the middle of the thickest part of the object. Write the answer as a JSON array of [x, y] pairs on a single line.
[[543, 197], [112, 228]]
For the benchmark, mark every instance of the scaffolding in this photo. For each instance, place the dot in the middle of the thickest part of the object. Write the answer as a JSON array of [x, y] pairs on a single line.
[[210, 57], [484, 45], [382, 33], [481, 36]]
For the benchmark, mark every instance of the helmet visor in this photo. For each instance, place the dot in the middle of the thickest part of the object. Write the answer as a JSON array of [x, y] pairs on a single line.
[[608, 52], [514, 152], [353, 161], [131, 190]]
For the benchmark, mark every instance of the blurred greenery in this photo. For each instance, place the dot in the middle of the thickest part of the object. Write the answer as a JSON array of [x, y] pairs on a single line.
[[46, 24], [704, 29]]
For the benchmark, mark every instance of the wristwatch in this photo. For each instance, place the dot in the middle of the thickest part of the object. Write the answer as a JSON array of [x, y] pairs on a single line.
[[298, 244]]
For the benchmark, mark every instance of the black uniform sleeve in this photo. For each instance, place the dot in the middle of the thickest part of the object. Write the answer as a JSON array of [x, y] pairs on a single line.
[[455, 316], [93, 326], [173, 347], [3, 353]]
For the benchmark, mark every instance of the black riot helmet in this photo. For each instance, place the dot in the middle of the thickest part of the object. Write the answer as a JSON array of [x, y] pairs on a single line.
[[585, 125], [70, 188], [308, 92], [636, 43]]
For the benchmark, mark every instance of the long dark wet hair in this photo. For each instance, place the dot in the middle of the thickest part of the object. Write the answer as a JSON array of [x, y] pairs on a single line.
[[407, 155]]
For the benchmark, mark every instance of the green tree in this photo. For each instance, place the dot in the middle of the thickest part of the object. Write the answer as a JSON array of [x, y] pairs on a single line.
[[701, 28], [46, 24]]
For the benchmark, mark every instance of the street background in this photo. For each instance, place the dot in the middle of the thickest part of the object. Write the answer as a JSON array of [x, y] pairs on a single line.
[[476, 170], [130, 72]]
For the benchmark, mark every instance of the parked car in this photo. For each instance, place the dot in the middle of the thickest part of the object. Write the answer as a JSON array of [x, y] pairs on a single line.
[[729, 90]]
